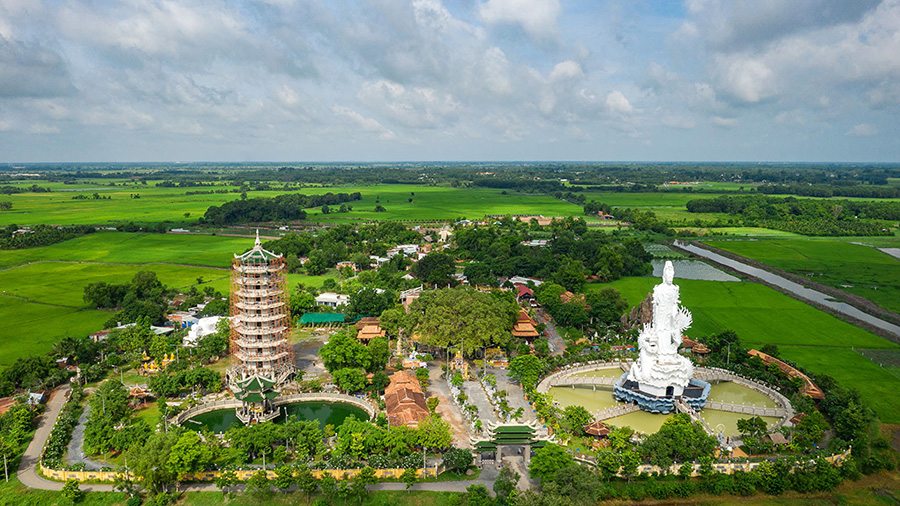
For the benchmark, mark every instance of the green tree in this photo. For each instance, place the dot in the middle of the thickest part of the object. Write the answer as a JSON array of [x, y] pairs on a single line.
[[148, 460], [409, 477], [72, 491], [607, 306], [226, 480], [343, 351], [306, 480], [527, 369], [458, 459], [505, 486], [576, 418], [454, 316], [258, 485], [434, 432], [350, 379], [284, 478], [679, 439], [548, 460], [435, 268], [188, 455]]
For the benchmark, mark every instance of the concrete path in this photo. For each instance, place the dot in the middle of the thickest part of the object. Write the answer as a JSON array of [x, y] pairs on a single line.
[[75, 451], [447, 409]]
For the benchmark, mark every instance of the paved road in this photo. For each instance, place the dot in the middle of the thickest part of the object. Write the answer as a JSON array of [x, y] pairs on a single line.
[[557, 345]]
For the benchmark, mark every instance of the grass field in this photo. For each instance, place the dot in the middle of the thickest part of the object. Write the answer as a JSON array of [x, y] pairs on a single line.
[[161, 204], [129, 248], [28, 328], [760, 315], [876, 385], [858, 269]]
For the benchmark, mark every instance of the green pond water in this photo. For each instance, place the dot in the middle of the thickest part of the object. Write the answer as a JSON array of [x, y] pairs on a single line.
[[649, 423], [325, 413]]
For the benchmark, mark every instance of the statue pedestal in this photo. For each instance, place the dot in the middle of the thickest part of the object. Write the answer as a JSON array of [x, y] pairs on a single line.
[[655, 400]]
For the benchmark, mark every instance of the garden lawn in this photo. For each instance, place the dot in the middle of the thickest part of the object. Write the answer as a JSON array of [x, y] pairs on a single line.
[[28, 328], [858, 269], [877, 386]]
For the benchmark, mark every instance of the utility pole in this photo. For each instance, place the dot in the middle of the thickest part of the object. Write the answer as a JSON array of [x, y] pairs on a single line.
[[5, 470]]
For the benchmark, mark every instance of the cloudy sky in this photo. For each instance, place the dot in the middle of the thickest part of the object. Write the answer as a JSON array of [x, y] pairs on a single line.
[[347, 80]]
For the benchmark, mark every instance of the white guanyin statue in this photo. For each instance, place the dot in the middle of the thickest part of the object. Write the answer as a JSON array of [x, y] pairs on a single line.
[[660, 370]]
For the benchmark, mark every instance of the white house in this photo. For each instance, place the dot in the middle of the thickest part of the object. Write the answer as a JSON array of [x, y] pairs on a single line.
[[332, 299], [203, 327]]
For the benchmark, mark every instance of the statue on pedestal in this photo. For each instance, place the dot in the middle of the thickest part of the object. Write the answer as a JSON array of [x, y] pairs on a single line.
[[660, 370]]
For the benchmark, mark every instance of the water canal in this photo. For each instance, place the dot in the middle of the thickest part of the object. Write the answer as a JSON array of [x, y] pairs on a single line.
[[790, 286]]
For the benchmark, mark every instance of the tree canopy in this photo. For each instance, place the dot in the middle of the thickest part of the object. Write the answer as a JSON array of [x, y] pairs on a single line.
[[454, 316]]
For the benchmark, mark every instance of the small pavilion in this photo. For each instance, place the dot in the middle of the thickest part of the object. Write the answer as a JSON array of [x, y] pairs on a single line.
[[256, 395]]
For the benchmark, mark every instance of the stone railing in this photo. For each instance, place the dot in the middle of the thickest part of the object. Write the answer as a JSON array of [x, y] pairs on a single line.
[[558, 377], [615, 411], [746, 410], [363, 403], [281, 400], [206, 407]]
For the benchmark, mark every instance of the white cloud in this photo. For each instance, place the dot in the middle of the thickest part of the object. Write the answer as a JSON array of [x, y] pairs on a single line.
[[617, 103], [746, 79], [368, 125], [862, 130], [539, 18], [564, 71], [416, 107], [725, 122]]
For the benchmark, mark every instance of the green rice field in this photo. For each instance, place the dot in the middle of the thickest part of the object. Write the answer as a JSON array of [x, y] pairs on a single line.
[[858, 269], [42, 288], [759, 315]]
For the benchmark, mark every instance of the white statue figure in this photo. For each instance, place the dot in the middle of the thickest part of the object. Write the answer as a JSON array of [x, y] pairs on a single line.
[[660, 370]]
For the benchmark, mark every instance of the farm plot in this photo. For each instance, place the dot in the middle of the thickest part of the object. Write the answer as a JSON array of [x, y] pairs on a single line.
[[877, 385], [858, 269]]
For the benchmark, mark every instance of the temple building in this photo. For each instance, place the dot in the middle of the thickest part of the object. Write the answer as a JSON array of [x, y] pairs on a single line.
[[261, 319]]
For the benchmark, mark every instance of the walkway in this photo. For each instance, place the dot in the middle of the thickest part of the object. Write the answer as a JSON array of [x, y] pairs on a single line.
[[75, 451]]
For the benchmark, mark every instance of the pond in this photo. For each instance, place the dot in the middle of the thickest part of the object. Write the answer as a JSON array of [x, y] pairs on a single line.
[[693, 269], [325, 413], [648, 423]]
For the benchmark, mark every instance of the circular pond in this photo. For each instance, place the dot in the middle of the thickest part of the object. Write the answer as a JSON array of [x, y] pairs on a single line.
[[648, 423], [333, 413]]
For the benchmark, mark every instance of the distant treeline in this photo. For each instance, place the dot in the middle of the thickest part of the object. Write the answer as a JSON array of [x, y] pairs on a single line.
[[39, 235], [7, 190], [282, 207], [822, 190], [805, 216]]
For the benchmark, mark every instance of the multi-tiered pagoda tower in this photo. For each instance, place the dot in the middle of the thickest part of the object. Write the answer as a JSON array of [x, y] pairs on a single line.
[[261, 319]]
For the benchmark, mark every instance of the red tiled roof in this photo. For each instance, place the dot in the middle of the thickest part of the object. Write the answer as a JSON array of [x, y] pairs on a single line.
[[404, 401]]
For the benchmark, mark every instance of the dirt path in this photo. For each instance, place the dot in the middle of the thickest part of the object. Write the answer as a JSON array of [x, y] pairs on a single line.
[[448, 410]]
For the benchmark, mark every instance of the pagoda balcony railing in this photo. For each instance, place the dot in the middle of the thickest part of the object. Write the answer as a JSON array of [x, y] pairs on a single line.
[[253, 305], [259, 269], [261, 318], [262, 292], [254, 343], [258, 331], [256, 357]]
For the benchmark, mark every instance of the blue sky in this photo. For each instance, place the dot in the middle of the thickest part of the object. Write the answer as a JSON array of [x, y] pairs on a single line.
[[296, 80]]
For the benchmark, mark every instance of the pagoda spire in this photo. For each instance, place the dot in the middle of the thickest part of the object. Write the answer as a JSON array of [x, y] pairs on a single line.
[[257, 244]]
